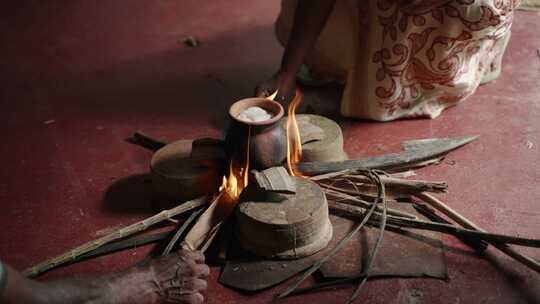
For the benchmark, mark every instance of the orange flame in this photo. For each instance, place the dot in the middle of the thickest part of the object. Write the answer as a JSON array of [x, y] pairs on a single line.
[[271, 97], [294, 144], [238, 176]]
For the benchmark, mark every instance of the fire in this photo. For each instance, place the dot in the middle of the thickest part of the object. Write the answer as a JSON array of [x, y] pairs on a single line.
[[238, 175], [271, 97], [202, 234], [294, 144]]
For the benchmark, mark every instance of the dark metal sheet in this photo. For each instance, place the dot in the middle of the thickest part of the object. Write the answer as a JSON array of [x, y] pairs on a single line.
[[250, 273], [404, 254]]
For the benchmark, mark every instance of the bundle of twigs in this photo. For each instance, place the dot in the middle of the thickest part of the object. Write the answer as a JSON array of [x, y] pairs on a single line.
[[347, 192]]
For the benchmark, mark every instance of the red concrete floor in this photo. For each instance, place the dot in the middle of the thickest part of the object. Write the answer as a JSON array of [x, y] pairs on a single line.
[[78, 77]]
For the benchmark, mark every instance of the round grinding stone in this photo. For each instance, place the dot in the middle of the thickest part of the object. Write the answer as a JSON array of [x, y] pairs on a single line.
[[329, 147], [175, 177], [322, 139], [284, 225]]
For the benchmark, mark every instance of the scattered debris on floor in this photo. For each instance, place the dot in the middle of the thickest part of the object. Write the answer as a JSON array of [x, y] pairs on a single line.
[[190, 41]]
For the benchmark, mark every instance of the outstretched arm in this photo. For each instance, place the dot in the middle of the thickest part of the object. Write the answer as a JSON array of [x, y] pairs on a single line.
[[176, 278], [309, 20]]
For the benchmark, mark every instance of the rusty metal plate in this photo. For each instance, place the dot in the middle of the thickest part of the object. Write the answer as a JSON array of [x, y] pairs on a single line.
[[251, 273], [412, 253], [402, 254]]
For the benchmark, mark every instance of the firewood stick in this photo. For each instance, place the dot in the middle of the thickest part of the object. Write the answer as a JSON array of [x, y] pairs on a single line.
[[148, 142], [118, 234], [364, 204], [401, 222], [403, 174], [356, 192], [430, 213], [408, 185], [209, 223], [463, 221], [364, 195]]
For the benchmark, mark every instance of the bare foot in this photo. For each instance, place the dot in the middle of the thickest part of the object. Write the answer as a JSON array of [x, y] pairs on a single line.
[[178, 278]]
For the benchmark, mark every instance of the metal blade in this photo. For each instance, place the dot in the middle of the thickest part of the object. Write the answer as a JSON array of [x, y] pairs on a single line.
[[416, 151]]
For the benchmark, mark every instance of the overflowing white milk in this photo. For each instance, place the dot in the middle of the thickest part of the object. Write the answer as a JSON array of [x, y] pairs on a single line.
[[255, 114]]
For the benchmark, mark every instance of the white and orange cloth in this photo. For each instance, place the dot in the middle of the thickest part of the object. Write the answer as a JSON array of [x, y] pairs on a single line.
[[407, 58]]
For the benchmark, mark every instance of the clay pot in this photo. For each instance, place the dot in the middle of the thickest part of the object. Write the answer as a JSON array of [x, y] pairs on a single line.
[[268, 139]]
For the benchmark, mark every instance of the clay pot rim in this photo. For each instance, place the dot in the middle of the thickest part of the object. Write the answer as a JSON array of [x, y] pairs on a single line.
[[269, 105]]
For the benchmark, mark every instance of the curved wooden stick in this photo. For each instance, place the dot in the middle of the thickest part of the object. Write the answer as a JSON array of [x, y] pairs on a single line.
[[460, 219]]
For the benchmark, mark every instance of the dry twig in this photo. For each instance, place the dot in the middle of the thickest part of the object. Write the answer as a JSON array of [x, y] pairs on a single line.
[[401, 222], [345, 197], [118, 234]]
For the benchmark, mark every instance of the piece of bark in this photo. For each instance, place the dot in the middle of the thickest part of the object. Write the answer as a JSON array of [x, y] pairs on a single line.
[[202, 231], [275, 179], [416, 151], [118, 234], [209, 223]]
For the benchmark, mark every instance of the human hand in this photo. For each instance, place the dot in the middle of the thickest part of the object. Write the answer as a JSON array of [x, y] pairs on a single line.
[[182, 277], [284, 83]]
